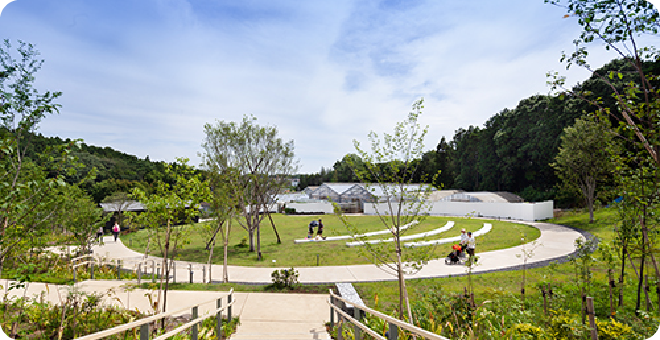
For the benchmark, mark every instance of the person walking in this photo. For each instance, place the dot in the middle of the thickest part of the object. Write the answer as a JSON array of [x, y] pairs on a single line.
[[471, 245], [464, 241], [99, 234], [115, 230]]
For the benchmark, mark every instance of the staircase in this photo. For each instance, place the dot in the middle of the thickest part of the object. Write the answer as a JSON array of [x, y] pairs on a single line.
[[283, 316]]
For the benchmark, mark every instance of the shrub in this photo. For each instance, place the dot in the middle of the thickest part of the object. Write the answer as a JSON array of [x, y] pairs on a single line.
[[284, 278]]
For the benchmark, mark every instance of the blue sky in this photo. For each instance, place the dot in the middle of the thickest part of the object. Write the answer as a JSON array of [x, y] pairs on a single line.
[[144, 77]]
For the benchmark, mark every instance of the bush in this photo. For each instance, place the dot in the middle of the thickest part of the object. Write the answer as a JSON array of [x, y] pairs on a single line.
[[289, 211], [284, 278]]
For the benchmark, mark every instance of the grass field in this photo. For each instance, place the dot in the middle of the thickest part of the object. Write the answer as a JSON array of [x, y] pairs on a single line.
[[288, 254], [504, 288]]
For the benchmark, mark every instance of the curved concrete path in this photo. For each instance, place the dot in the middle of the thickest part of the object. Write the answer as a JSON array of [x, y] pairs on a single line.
[[294, 316], [554, 243]]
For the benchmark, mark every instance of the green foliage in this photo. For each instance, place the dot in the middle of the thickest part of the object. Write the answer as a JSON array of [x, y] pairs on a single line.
[[610, 329], [284, 279], [584, 158], [257, 163]]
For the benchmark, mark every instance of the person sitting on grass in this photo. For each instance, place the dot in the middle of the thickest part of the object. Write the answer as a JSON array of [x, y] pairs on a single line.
[[311, 229]]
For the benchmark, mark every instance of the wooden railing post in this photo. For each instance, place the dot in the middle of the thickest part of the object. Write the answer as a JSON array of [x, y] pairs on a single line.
[[74, 273], [340, 326], [194, 331], [332, 312], [92, 272], [118, 269], [203, 274], [191, 273], [174, 272], [218, 320], [356, 329], [392, 331], [139, 273], [229, 299], [592, 318], [144, 332]]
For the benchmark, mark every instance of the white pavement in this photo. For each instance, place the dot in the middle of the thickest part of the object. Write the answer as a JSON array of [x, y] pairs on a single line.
[[555, 242], [262, 315]]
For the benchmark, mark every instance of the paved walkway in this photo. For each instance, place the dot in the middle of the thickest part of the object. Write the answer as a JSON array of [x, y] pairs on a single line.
[[294, 316], [554, 243]]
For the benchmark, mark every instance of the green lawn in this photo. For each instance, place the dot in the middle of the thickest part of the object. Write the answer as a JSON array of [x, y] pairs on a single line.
[[502, 290], [288, 254]]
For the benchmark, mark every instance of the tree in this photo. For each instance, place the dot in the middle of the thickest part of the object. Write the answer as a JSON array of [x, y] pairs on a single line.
[[263, 163], [25, 189], [223, 206], [168, 205], [390, 164], [80, 217], [584, 158], [120, 201], [636, 107]]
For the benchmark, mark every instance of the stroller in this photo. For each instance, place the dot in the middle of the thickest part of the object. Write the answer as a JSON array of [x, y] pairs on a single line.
[[456, 256]]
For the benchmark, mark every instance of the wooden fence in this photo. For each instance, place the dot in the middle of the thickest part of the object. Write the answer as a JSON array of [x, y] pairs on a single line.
[[194, 323]]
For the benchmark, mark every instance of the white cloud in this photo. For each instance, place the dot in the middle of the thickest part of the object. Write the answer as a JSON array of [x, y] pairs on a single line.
[[144, 77], [3, 3]]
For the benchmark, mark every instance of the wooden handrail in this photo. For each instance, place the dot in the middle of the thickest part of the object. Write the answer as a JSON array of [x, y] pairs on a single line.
[[358, 323], [136, 323], [387, 318]]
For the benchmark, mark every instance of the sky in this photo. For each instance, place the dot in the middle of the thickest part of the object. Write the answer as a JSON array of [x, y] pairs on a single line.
[[143, 77]]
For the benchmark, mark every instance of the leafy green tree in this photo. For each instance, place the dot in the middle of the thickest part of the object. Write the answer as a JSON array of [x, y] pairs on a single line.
[[120, 201], [584, 159], [25, 189], [167, 206], [618, 24], [263, 161], [80, 216], [390, 165]]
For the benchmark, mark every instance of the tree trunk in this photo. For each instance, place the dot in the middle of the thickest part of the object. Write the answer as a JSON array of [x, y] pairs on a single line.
[[210, 257], [164, 267], [279, 241], [250, 239], [225, 275], [641, 279], [402, 287], [258, 242], [623, 267], [212, 239], [5, 222], [655, 264]]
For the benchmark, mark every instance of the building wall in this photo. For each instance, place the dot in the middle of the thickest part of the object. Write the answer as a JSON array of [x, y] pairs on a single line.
[[324, 207], [514, 211]]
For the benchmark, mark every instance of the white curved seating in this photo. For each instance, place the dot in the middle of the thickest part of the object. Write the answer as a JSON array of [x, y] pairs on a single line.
[[343, 237], [446, 227], [486, 228]]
